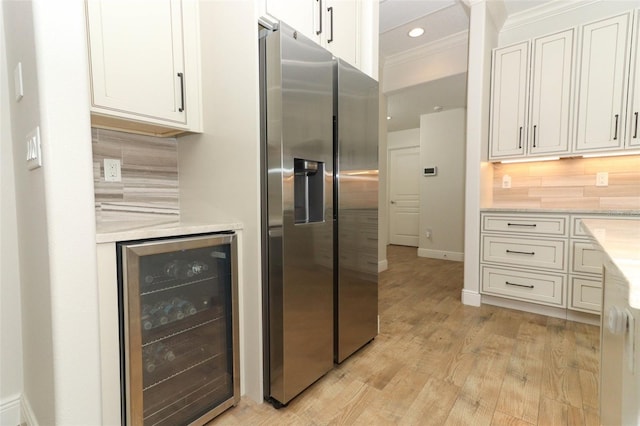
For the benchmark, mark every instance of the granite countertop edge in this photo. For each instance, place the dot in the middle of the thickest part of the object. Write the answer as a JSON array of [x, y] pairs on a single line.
[[129, 231], [611, 212]]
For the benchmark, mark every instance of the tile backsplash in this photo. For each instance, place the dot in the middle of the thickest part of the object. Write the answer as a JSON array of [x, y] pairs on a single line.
[[570, 184], [149, 187]]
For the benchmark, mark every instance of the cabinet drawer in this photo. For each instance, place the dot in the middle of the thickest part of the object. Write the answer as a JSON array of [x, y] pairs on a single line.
[[529, 225], [525, 252], [577, 231], [547, 289], [586, 294], [586, 258]]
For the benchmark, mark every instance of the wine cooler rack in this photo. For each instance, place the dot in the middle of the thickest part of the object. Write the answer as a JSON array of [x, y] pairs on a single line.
[[179, 329]]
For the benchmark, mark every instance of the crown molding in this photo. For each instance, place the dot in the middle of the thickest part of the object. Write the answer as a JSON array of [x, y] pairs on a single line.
[[544, 11], [429, 49]]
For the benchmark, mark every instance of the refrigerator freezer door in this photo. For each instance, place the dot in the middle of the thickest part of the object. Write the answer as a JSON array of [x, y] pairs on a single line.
[[298, 93], [356, 104]]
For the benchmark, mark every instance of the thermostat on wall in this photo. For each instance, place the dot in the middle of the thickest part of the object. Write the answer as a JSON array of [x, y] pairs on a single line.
[[430, 171]]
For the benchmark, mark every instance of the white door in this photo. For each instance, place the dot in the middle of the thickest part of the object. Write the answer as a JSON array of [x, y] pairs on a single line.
[[552, 73], [603, 69], [509, 101], [404, 186]]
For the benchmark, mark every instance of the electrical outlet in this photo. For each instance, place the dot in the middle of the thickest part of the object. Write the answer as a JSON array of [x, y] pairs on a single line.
[[427, 233], [602, 179], [506, 181], [112, 172]]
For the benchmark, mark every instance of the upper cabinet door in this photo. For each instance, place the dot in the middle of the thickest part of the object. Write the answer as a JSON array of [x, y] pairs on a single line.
[[341, 29], [137, 61], [601, 86], [550, 123], [509, 101], [303, 15], [633, 108]]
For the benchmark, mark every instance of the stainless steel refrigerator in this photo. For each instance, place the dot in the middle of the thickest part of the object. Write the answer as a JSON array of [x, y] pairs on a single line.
[[319, 262]]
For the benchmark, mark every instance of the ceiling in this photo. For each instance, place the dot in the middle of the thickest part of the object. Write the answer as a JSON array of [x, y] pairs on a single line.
[[439, 18]]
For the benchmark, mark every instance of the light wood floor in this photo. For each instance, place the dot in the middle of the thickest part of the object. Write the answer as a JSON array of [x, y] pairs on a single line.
[[439, 362]]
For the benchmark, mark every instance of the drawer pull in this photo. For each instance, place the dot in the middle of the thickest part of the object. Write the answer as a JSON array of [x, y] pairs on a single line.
[[518, 285], [532, 225], [530, 253]]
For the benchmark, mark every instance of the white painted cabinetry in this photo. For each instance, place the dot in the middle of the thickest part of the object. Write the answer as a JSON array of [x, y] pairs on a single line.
[[524, 257], [633, 102], [509, 101], [604, 56], [531, 97], [144, 65], [337, 25]]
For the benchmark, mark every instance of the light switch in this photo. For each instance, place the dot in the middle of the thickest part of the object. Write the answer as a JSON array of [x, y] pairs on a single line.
[[17, 81], [34, 150]]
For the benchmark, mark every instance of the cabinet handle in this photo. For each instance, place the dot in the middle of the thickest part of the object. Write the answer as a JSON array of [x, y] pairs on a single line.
[[320, 15], [615, 135], [534, 136], [635, 129], [519, 285], [530, 253], [522, 224], [181, 77], [520, 139], [330, 10]]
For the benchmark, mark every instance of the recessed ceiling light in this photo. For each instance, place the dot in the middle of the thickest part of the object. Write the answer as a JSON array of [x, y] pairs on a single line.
[[416, 32], [388, 117]]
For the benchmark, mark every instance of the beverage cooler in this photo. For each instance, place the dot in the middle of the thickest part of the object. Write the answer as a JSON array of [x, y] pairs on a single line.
[[178, 329]]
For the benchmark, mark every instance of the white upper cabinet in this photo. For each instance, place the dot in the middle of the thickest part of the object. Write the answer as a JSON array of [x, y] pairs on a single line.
[[341, 32], [531, 97], [603, 71], [144, 64], [337, 25], [303, 15], [549, 127], [509, 101], [633, 105]]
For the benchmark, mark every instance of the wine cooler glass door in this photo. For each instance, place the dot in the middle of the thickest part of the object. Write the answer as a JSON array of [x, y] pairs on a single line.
[[180, 343]]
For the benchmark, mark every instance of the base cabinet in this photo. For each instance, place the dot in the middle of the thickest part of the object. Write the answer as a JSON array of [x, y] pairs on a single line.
[[544, 258]]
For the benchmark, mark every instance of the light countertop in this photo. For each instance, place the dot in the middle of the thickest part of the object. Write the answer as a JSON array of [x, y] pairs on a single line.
[[562, 211], [128, 231], [620, 241]]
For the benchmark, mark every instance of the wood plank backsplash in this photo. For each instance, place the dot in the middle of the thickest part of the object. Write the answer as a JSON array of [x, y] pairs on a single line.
[[149, 187], [569, 184]]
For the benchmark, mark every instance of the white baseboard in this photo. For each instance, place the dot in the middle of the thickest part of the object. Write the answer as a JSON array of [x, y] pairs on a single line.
[[439, 254], [28, 416], [10, 411], [383, 265], [471, 298]]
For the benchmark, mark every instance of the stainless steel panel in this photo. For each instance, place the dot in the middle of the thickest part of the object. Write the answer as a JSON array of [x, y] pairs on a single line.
[[299, 108], [356, 106]]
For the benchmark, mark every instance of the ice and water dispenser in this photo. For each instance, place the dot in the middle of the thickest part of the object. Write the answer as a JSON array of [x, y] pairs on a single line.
[[308, 191]]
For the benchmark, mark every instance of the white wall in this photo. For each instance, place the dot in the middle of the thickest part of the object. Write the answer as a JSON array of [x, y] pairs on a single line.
[[403, 138], [442, 144], [55, 212], [220, 168], [10, 312], [483, 36], [442, 58]]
